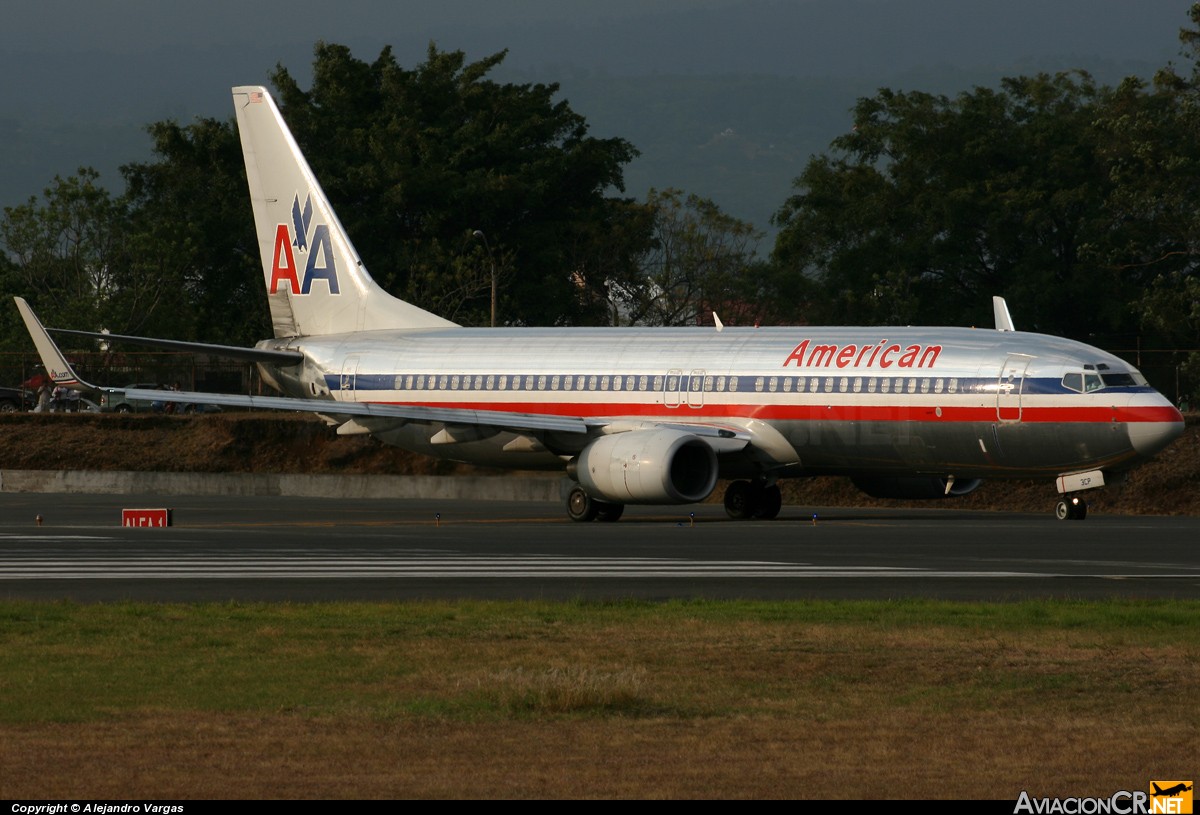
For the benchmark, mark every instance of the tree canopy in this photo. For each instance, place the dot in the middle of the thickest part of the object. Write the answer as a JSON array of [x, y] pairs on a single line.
[[416, 161]]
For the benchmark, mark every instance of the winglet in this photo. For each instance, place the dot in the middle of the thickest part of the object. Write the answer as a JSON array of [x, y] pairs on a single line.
[[56, 365], [1003, 318]]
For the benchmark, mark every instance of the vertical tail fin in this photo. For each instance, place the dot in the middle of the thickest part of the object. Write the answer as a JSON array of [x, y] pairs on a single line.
[[316, 283]]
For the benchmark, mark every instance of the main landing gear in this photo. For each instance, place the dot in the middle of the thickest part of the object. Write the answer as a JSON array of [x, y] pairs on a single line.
[[752, 499], [1070, 508], [582, 507]]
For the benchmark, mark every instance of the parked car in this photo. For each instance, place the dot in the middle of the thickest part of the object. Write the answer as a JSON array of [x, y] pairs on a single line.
[[13, 400], [115, 401]]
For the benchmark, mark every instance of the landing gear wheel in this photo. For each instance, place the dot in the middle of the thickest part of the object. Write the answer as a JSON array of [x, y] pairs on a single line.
[[769, 502], [1062, 510], [580, 506], [608, 513], [739, 500], [1070, 509]]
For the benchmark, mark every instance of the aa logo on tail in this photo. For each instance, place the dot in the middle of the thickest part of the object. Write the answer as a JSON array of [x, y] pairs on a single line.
[[315, 248]]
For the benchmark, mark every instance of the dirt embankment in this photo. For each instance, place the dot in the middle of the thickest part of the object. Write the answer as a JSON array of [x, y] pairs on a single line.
[[294, 443]]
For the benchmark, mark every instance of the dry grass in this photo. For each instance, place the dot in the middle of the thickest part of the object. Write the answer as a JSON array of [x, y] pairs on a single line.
[[590, 701]]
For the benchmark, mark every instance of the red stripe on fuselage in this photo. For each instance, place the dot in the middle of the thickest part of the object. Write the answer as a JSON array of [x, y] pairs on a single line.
[[1098, 414]]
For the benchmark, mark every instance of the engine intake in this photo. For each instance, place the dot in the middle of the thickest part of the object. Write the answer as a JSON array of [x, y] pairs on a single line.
[[647, 467]]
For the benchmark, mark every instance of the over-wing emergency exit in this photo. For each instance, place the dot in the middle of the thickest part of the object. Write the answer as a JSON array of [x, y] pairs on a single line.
[[657, 415]]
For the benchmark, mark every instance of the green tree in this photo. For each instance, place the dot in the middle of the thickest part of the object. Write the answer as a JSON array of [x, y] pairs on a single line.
[[1152, 148], [700, 261], [415, 161], [71, 252], [930, 205], [193, 229]]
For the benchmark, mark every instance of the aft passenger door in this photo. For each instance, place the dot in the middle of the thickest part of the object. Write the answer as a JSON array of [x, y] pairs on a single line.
[[349, 377]]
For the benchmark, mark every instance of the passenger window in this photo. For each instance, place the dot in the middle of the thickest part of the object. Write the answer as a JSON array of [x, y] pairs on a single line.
[[787, 384], [672, 383], [829, 384], [773, 385], [616, 383], [871, 385], [925, 385], [912, 385], [554, 380], [504, 382], [937, 385], [843, 384], [443, 382], [953, 385], [491, 381], [720, 384], [858, 384], [629, 382], [658, 383], [604, 383], [758, 383], [542, 382], [885, 385], [733, 383], [708, 384]]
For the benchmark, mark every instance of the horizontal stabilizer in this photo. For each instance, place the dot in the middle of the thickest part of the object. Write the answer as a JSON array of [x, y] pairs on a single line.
[[266, 355]]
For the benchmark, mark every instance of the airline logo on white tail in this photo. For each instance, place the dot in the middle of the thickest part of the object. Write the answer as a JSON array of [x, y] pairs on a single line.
[[311, 243]]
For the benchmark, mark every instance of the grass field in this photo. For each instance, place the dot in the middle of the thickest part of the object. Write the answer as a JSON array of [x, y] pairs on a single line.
[[537, 700]]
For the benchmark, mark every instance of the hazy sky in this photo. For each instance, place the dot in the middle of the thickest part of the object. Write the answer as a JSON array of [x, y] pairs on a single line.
[[79, 79], [211, 41]]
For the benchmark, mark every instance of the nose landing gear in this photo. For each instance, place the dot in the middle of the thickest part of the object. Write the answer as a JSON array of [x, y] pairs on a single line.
[[1071, 508]]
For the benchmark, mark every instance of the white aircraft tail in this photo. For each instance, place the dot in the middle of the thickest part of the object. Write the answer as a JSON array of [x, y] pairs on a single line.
[[316, 283]]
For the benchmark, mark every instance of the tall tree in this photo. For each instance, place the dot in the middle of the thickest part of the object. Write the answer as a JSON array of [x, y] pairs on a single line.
[[194, 230], [930, 205], [700, 261], [416, 161]]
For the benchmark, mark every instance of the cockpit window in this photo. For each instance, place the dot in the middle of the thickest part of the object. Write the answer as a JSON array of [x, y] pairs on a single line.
[[1088, 382], [1123, 380], [1082, 383]]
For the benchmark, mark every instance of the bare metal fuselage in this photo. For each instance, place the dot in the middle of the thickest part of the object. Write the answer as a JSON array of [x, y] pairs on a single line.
[[968, 403]]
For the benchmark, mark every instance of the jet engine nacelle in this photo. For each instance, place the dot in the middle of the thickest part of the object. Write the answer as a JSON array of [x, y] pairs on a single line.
[[647, 467], [913, 487]]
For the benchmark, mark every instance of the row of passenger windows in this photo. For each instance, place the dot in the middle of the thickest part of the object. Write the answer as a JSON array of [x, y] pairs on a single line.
[[673, 383]]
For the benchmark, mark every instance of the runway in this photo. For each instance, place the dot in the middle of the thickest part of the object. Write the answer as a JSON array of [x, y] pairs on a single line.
[[305, 550]]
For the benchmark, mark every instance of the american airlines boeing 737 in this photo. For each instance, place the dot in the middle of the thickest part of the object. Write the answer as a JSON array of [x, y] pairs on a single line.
[[658, 415]]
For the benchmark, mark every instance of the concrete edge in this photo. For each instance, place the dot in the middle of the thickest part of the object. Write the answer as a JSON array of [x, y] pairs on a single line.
[[473, 488]]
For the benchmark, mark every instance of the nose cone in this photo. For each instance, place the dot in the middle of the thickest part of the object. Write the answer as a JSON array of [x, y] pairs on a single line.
[[1162, 427]]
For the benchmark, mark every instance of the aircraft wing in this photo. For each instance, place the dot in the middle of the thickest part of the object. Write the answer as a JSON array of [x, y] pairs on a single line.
[[332, 407], [722, 438]]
